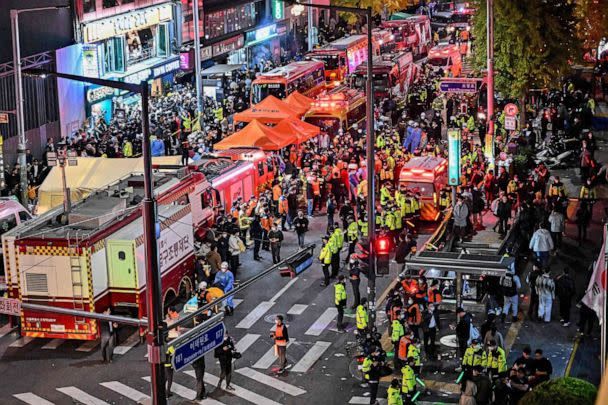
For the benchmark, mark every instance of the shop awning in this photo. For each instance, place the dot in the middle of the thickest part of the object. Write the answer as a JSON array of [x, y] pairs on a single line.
[[271, 110], [257, 135], [299, 102], [303, 131], [400, 16], [220, 69]]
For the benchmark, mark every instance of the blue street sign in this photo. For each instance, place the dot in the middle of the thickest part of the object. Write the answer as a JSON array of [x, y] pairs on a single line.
[[198, 346], [454, 145], [458, 86]]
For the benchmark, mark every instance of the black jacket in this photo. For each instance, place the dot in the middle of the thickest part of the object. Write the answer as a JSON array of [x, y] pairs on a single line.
[[301, 225], [426, 319]]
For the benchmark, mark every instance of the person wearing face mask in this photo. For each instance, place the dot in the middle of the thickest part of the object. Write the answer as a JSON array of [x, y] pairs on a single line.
[[430, 325], [224, 279], [473, 356], [413, 352], [276, 237], [397, 331], [414, 317], [494, 360], [340, 301], [281, 339]]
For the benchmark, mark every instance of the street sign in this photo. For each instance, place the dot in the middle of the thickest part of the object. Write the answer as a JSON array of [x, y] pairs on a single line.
[[510, 123], [72, 158], [511, 110], [198, 346], [51, 159], [3, 118], [454, 144], [459, 85], [10, 306]]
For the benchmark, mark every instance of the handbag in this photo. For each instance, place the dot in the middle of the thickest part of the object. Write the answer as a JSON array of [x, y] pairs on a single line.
[[236, 355]]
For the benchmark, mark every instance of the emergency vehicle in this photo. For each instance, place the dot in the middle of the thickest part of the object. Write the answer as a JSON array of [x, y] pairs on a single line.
[[412, 33], [393, 74], [428, 176], [341, 57], [261, 169], [12, 214], [384, 39], [92, 258], [306, 77], [337, 109], [447, 57]]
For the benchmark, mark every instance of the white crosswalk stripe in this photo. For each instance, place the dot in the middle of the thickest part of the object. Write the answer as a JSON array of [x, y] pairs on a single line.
[[21, 341], [322, 322], [313, 354], [271, 381], [297, 309], [365, 400], [246, 342], [128, 344], [53, 344], [81, 396], [237, 302], [32, 399], [189, 394], [238, 391], [125, 391], [282, 290], [6, 329], [253, 316], [269, 358], [88, 346]]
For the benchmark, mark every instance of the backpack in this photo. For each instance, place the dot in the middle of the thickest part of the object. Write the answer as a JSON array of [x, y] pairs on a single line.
[[565, 287]]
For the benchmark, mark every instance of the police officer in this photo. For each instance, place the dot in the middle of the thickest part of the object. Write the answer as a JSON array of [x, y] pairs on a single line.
[[352, 233], [355, 280], [361, 317], [394, 393], [473, 356], [413, 352], [325, 259], [408, 383], [494, 360], [397, 331], [340, 301]]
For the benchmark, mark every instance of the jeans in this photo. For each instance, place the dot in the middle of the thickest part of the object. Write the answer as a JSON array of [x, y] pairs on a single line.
[[311, 205], [544, 307], [542, 257], [510, 302], [301, 240]]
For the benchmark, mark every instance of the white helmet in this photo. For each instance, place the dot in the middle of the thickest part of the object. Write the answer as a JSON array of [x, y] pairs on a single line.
[[202, 285]]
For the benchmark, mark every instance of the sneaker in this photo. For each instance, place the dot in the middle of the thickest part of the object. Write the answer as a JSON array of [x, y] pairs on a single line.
[[230, 388]]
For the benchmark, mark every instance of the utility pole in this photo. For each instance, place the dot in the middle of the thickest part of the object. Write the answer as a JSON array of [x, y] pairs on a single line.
[[490, 86], [311, 27], [197, 59], [155, 338], [369, 150]]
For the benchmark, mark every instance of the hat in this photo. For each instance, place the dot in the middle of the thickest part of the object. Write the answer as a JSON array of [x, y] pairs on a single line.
[[459, 310]]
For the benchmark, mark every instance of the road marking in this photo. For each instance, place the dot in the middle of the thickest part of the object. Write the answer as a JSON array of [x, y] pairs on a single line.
[[237, 302], [313, 354], [81, 396], [125, 391], [128, 344], [322, 322], [297, 309], [238, 391], [87, 346], [53, 344], [365, 400], [269, 358], [246, 342], [282, 290], [271, 381], [253, 316], [32, 399], [189, 394], [21, 341], [6, 329]]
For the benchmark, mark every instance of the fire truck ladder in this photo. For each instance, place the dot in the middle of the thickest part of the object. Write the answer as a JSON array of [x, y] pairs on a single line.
[[76, 274]]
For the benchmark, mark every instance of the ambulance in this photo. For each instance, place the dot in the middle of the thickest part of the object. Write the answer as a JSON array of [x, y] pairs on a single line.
[[447, 57], [427, 176], [339, 108]]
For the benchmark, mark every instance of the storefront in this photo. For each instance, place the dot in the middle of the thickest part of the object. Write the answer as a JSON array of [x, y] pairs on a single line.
[[261, 45]]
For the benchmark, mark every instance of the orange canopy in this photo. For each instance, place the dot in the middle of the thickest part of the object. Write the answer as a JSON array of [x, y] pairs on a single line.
[[303, 131], [256, 134], [271, 110], [299, 102]]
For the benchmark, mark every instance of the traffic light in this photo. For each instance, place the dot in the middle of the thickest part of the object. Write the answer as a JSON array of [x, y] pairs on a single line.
[[382, 251]]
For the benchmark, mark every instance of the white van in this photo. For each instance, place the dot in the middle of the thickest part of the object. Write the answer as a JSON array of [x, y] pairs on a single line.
[[12, 214]]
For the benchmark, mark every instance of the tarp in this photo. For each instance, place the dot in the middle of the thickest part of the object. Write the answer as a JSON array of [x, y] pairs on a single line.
[[400, 16], [299, 102], [89, 175], [256, 134], [303, 131], [271, 110]]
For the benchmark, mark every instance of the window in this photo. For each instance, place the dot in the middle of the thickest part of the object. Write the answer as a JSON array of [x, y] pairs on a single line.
[[88, 6], [270, 165], [206, 199], [7, 223], [24, 216], [122, 256], [234, 19], [114, 54], [261, 168], [356, 114]]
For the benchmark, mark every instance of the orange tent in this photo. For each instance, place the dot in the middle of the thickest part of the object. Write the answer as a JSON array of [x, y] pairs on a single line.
[[271, 110], [299, 102], [256, 134], [303, 131]]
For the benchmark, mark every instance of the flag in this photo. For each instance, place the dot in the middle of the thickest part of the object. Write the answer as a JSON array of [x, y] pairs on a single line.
[[596, 291]]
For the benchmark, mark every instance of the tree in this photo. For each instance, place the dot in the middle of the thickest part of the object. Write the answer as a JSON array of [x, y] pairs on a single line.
[[378, 7], [564, 390], [535, 40], [593, 22]]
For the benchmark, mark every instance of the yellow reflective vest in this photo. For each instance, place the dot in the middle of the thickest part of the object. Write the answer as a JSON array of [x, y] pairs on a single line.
[[363, 228], [496, 361], [352, 231], [340, 291], [414, 351], [472, 357], [361, 317], [408, 383], [325, 255], [394, 396], [397, 331]]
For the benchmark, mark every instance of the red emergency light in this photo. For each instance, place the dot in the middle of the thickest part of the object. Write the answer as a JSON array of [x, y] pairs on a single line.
[[382, 246]]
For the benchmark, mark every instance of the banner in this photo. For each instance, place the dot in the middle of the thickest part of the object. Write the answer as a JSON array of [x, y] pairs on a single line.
[[595, 295]]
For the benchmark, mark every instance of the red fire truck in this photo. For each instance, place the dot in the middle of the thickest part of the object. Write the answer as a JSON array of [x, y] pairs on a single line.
[[393, 74], [337, 109], [412, 33], [428, 176], [341, 57]]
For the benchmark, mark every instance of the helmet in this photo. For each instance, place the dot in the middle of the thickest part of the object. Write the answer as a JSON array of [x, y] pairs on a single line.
[[202, 285]]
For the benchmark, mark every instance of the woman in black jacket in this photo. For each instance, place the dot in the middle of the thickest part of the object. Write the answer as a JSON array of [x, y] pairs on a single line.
[[224, 354]]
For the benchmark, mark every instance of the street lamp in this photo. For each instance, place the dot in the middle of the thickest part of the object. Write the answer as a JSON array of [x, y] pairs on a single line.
[[371, 202]]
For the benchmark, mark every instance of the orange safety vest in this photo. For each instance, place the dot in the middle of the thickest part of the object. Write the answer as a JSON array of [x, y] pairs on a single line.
[[283, 207], [410, 287], [279, 337], [276, 192], [266, 223], [316, 189], [404, 344], [393, 312], [414, 317], [252, 205], [420, 294], [434, 296]]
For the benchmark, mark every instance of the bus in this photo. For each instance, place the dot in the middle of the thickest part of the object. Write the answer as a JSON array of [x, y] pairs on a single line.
[[393, 74], [342, 56], [307, 77], [339, 108], [412, 33], [426, 175]]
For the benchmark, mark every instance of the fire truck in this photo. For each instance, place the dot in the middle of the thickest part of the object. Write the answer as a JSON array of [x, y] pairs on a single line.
[[393, 74], [92, 257], [413, 34], [341, 57], [384, 40], [428, 176], [339, 108]]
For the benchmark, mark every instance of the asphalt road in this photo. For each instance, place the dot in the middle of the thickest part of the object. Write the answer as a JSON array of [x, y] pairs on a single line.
[[58, 372]]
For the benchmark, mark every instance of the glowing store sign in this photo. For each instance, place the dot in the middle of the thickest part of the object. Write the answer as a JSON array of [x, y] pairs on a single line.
[[99, 93], [166, 68], [454, 145], [121, 24], [265, 32]]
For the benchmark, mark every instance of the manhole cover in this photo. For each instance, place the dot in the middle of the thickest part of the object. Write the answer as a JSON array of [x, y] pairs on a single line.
[[449, 341], [271, 317]]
